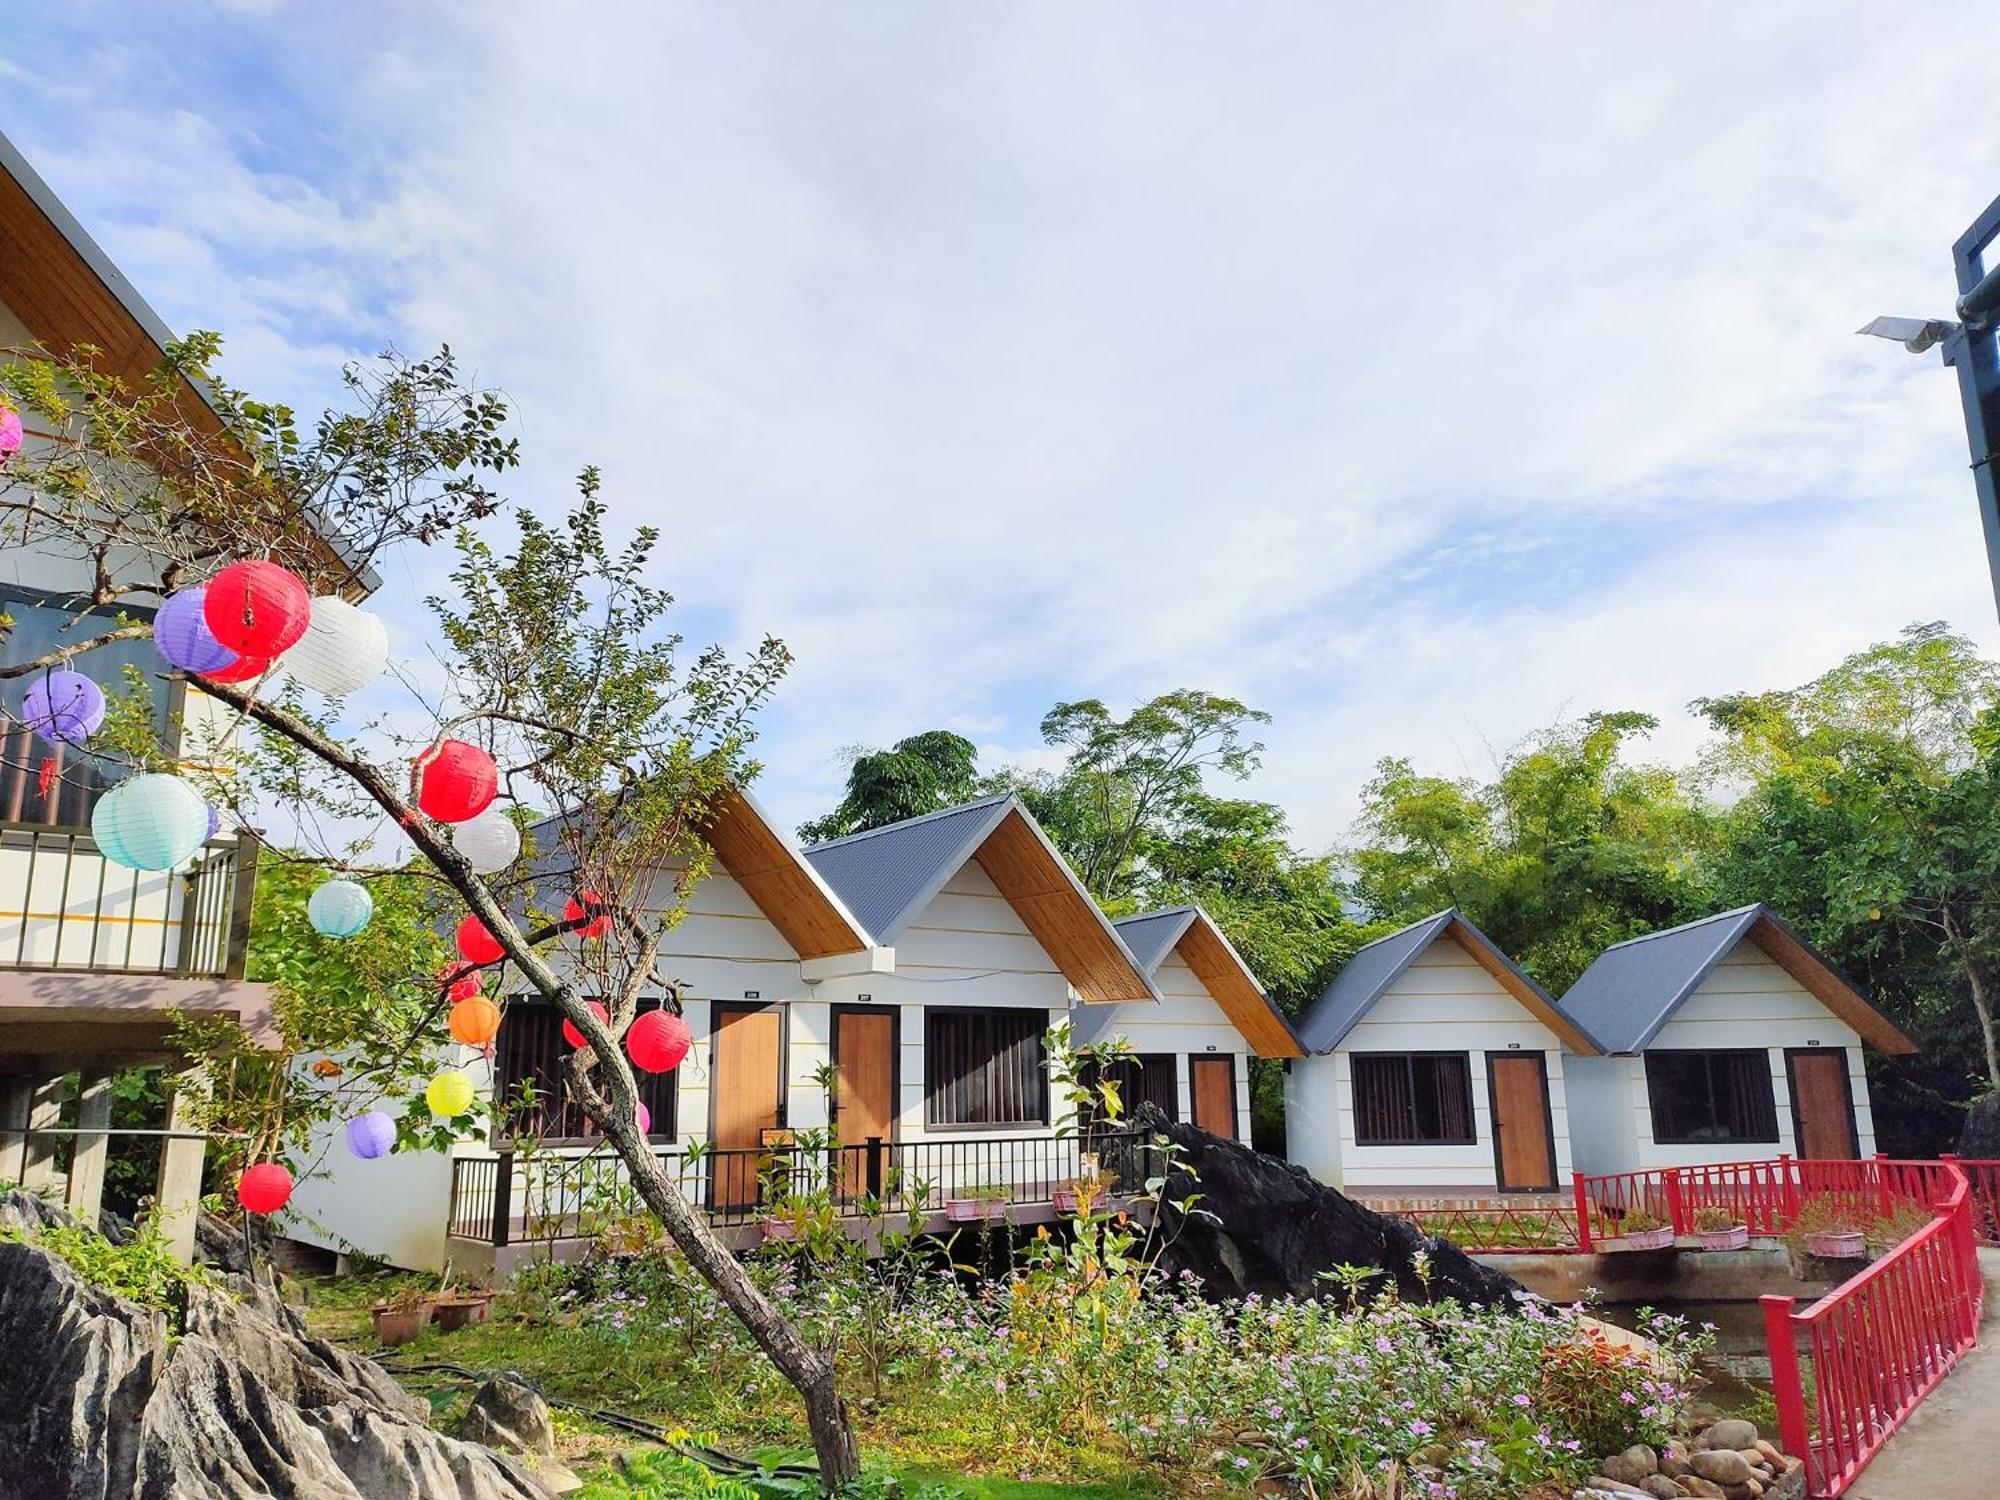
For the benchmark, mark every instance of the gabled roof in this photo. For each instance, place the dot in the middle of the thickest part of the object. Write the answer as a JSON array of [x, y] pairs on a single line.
[[1367, 976], [1634, 987], [1207, 951], [888, 875]]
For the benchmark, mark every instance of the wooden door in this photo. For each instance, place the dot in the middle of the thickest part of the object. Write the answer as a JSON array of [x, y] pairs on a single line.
[[1524, 1154], [1212, 1083], [1822, 1104], [746, 1097], [864, 1097]]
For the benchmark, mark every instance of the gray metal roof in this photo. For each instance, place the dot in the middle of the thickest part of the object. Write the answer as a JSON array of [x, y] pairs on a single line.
[[1634, 987], [885, 876], [1362, 979], [1152, 936]]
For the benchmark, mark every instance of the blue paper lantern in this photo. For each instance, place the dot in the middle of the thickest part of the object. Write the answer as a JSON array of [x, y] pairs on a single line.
[[65, 707], [150, 822], [181, 632], [340, 908], [371, 1135]]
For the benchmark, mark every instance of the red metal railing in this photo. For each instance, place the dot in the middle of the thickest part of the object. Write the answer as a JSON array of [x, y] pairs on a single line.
[[1983, 1180], [1880, 1341]]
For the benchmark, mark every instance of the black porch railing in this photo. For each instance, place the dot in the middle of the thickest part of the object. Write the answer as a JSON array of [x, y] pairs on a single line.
[[64, 906], [512, 1197]]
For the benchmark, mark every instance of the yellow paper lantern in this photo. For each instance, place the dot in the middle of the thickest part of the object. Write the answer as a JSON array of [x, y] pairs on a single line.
[[450, 1094]]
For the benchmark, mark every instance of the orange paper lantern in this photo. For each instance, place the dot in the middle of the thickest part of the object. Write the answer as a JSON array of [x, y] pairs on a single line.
[[476, 1021]]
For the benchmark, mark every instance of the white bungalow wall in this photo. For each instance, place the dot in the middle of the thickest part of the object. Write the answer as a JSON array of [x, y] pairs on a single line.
[[1186, 1022], [1444, 1002], [1746, 1001]]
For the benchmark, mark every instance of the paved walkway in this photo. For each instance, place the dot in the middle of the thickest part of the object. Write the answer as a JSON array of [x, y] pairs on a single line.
[[1946, 1450]]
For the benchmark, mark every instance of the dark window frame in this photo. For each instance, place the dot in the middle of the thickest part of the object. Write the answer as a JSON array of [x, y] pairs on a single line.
[[1150, 1065], [1037, 1093], [554, 1101], [1409, 1060], [1658, 1087]]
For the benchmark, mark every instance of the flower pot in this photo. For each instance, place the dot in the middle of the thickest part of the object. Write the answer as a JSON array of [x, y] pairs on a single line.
[[973, 1210], [398, 1325], [780, 1229], [1067, 1200], [1735, 1237], [456, 1312], [1837, 1244], [1650, 1239]]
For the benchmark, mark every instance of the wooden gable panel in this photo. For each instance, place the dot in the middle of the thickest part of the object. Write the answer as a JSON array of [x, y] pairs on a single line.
[[1063, 919], [1222, 974], [779, 881], [1532, 1000], [1830, 988]]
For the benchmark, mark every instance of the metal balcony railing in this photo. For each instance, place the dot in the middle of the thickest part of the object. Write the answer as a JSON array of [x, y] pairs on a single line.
[[63, 906]]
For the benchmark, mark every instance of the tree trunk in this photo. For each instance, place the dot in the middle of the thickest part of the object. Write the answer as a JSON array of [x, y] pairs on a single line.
[[1981, 1006]]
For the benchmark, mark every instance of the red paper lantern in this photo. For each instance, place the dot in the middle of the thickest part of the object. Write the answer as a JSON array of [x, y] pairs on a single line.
[[463, 989], [476, 1021], [264, 1188], [657, 1041], [585, 903], [256, 609], [576, 1038], [476, 944], [456, 781], [244, 669]]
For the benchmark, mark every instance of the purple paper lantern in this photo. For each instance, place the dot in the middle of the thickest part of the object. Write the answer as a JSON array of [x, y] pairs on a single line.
[[371, 1135], [63, 706], [214, 821], [181, 632]]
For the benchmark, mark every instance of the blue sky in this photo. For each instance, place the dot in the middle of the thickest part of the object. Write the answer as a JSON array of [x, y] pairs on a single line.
[[1418, 378]]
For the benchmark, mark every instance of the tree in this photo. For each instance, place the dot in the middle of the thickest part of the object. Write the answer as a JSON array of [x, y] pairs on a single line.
[[924, 773], [555, 659]]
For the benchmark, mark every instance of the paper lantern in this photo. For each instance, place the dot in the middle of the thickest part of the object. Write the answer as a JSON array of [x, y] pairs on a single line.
[[371, 1136], [182, 634], [576, 1038], [150, 822], [456, 781], [477, 945], [214, 823], [10, 431], [462, 989], [489, 841], [450, 1094], [243, 669], [257, 608], [587, 903], [475, 1021], [645, 1119], [340, 908], [264, 1188], [344, 648], [65, 707], [657, 1041]]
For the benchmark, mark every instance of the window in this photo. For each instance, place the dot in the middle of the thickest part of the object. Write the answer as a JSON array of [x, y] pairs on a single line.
[[1142, 1078], [1412, 1098], [984, 1067], [531, 1049], [1724, 1095], [79, 778]]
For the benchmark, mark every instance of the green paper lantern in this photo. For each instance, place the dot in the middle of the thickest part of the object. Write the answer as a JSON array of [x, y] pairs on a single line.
[[150, 822], [340, 908]]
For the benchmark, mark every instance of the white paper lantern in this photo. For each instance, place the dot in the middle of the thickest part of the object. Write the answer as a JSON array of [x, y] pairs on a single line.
[[150, 822], [340, 908], [489, 842], [344, 648]]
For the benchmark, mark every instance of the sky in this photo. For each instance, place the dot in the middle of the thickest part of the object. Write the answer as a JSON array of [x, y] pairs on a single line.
[[1420, 375]]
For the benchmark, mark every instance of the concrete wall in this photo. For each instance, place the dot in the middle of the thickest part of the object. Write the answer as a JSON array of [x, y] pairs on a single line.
[[1444, 1002]]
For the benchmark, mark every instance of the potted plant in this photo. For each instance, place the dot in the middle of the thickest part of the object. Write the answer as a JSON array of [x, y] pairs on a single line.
[[1829, 1229], [1644, 1230], [1719, 1229], [1077, 1195], [452, 1310], [401, 1317], [976, 1204]]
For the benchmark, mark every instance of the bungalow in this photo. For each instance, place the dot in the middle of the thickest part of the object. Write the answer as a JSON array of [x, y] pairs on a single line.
[[1724, 1039], [1195, 1045], [894, 987], [1434, 1068]]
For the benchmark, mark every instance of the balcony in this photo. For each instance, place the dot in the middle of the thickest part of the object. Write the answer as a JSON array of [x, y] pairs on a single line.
[[65, 908]]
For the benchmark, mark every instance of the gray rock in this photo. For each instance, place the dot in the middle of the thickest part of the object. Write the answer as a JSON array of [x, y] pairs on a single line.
[[1605, 1484], [1979, 1136], [1631, 1466], [509, 1414], [97, 1404], [1660, 1487], [1723, 1466], [1731, 1432]]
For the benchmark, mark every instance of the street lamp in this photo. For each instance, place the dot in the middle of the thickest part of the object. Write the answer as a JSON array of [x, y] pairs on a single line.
[[1969, 347]]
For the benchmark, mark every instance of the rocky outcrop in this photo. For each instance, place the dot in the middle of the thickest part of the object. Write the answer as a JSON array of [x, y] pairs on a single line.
[[1263, 1225], [509, 1414], [97, 1402], [1979, 1136]]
